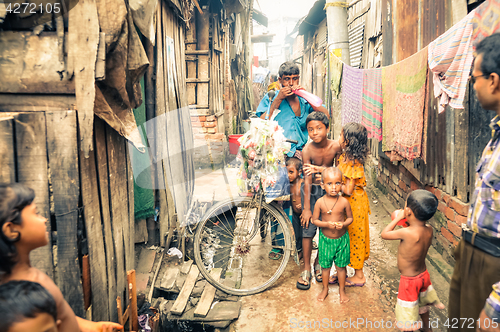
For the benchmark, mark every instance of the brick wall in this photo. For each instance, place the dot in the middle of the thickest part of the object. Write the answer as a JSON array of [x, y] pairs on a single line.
[[210, 146], [397, 182]]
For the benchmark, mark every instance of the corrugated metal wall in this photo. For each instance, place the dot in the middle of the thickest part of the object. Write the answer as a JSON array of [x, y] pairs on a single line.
[[356, 42], [451, 157]]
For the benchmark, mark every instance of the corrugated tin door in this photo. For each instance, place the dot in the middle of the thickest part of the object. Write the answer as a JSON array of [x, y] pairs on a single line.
[[356, 35], [322, 39]]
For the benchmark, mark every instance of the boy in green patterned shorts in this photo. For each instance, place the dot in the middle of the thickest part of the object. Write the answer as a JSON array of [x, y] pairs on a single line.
[[336, 215]]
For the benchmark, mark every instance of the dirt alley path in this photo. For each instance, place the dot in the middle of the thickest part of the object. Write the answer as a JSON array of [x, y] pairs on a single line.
[[283, 307]]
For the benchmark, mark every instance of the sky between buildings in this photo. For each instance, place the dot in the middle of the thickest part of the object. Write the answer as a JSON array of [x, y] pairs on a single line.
[[283, 16]]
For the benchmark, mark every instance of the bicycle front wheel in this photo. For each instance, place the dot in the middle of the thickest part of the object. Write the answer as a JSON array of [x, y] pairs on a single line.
[[232, 245]]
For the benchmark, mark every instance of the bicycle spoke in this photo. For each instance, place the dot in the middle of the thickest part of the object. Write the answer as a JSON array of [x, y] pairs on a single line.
[[224, 228]]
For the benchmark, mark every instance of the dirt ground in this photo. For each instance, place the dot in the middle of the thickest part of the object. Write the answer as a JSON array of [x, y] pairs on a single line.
[[283, 307]]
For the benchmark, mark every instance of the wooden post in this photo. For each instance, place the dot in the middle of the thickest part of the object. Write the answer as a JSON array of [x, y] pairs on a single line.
[[117, 198], [120, 311], [62, 149], [133, 320], [95, 238], [202, 38], [191, 62], [102, 177]]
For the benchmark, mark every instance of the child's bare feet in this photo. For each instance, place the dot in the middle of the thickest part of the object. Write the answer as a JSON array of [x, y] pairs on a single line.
[[322, 296], [343, 297]]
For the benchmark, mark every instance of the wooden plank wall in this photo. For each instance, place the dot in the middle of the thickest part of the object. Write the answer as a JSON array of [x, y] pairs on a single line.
[[174, 143], [95, 194]]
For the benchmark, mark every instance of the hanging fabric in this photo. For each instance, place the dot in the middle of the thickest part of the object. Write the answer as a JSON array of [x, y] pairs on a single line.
[[352, 94], [335, 74], [450, 60], [372, 102], [485, 21], [404, 92]]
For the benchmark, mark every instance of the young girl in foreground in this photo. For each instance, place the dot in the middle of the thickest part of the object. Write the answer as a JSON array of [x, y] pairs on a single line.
[[353, 141], [22, 229]]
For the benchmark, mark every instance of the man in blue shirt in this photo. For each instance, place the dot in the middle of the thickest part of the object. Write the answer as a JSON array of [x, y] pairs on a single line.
[[288, 109]]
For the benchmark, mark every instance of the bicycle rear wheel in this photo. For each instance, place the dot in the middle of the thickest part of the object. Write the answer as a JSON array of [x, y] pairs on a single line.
[[232, 238]]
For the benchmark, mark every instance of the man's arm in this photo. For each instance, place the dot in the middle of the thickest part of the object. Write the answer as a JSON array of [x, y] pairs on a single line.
[[321, 108], [264, 104], [305, 217]]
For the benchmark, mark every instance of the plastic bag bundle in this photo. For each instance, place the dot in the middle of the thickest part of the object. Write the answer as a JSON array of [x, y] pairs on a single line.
[[262, 149]]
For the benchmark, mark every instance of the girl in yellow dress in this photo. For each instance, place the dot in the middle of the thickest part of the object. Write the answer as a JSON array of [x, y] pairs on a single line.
[[353, 141]]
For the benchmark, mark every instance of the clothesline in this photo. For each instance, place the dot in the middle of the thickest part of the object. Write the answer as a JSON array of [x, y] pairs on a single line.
[[391, 100]]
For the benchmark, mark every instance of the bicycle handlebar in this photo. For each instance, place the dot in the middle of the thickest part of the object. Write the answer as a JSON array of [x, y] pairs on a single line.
[[292, 141]]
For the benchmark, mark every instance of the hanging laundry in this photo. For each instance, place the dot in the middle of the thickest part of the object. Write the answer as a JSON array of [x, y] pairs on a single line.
[[450, 60], [352, 94], [485, 21], [372, 102], [335, 74], [404, 91]]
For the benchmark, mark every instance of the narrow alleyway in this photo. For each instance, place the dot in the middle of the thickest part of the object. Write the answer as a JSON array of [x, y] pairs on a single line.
[[285, 308]]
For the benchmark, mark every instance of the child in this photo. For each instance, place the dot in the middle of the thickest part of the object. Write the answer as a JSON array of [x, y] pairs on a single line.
[[294, 167], [23, 229], [415, 289], [317, 155], [336, 216], [27, 306], [353, 141]]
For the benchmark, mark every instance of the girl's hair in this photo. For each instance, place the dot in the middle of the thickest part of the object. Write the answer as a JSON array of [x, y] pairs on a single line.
[[357, 137], [423, 204], [14, 198]]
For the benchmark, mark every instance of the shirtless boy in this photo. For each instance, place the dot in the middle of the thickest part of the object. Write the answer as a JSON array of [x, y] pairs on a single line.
[[316, 156], [336, 215], [415, 288]]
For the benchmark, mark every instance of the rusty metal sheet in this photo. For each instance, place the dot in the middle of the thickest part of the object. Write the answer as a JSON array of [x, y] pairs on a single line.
[[433, 20], [407, 30]]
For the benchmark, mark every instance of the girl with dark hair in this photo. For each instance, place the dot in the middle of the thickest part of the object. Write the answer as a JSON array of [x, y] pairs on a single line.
[[23, 229], [353, 141]]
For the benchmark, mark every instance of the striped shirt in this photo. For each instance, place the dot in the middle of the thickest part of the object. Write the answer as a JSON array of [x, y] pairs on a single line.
[[484, 212]]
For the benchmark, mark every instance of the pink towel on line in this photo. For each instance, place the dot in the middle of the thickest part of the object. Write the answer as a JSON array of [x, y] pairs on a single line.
[[450, 60], [352, 94]]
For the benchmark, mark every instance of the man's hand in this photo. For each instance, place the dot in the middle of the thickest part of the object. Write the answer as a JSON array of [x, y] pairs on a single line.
[[339, 225], [487, 324], [284, 93], [305, 218]]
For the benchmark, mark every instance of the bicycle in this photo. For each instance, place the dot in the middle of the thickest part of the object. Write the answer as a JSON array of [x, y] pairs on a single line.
[[238, 233]]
